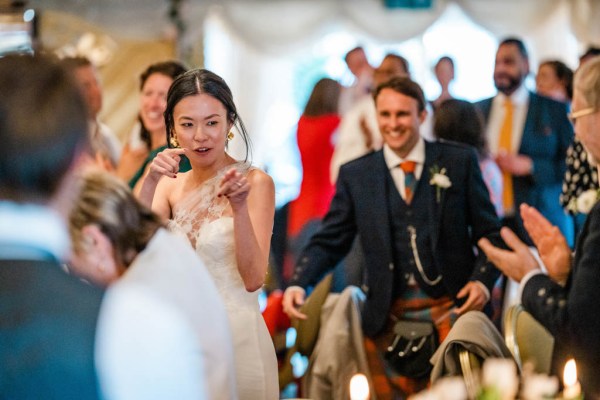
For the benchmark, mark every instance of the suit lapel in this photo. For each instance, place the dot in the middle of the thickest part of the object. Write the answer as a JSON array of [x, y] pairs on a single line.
[[531, 119], [432, 156], [380, 200]]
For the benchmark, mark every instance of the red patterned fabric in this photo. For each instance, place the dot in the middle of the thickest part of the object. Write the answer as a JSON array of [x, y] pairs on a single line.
[[415, 304]]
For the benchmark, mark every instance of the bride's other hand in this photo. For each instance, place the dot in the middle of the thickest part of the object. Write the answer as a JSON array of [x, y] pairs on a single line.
[[235, 187]]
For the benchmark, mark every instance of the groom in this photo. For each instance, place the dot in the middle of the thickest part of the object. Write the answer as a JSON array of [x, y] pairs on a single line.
[[419, 209]]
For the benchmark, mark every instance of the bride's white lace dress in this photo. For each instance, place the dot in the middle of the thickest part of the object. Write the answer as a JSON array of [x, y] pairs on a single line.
[[208, 223]]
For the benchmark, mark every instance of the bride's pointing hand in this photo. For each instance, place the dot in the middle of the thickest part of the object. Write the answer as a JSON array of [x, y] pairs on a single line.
[[166, 163], [235, 187]]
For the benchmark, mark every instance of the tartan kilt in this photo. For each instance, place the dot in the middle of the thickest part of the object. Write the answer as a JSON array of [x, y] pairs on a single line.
[[414, 304]]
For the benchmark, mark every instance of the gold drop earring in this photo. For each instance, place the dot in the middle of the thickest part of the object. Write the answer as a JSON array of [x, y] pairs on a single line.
[[230, 136], [173, 141]]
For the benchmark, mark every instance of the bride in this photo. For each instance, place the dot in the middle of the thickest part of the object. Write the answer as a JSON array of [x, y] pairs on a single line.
[[228, 224]]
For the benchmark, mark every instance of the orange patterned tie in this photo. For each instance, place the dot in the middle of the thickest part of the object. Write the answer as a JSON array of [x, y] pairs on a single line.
[[505, 143], [410, 180]]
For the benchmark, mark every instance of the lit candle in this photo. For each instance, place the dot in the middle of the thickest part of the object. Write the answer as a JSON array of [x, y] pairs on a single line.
[[359, 387], [572, 387]]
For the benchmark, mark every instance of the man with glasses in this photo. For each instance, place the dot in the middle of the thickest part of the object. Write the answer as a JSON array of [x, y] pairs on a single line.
[[567, 300]]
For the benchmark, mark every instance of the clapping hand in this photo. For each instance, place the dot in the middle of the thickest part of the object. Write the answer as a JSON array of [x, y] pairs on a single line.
[[516, 263], [551, 244]]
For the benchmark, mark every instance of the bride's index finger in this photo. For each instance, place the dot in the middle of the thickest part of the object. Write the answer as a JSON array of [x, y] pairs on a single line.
[[175, 151], [229, 175]]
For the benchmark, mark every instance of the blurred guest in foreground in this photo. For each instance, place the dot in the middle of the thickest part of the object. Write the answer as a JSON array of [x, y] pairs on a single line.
[[47, 318], [116, 239], [567, 300], [56, 332]]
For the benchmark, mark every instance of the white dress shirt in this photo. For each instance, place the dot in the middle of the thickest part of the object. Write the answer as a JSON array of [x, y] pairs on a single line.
[[29, 231], [392, 160]]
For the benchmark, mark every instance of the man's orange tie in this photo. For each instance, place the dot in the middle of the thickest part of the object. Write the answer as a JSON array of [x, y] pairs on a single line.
[[505, 144], [410, 180]]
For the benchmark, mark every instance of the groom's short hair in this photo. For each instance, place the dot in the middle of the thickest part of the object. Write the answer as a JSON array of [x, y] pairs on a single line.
[[406, 87]]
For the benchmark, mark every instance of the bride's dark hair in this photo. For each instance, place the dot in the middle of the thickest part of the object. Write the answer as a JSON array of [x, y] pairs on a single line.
[[203, 81]]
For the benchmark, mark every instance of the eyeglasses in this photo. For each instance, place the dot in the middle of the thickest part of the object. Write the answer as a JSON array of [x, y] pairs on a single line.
[[581, 113]]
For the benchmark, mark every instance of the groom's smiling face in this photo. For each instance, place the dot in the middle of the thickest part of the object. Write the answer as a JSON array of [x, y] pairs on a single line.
[[399, 119]]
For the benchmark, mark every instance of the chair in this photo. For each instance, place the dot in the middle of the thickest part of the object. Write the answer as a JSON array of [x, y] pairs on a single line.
[[307, 331], [470, 365], [528, 340]]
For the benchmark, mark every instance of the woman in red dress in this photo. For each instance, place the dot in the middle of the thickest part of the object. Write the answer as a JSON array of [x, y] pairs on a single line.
[[316, 128]]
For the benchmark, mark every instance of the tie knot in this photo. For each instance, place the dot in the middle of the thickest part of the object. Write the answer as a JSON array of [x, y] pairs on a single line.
[[508, 103], [408, 167]]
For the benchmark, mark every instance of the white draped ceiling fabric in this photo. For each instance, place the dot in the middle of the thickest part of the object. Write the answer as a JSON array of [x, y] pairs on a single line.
[[275, 26]]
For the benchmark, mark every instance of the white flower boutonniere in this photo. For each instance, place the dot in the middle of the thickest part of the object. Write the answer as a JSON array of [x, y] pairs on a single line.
[[584, 203], [440, 180]]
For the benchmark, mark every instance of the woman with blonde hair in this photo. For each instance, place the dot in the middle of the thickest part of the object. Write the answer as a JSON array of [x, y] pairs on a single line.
[[119, 242]]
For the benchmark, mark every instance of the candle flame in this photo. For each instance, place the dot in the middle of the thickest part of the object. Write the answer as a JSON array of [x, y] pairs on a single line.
[[359, 387], [570, 373]]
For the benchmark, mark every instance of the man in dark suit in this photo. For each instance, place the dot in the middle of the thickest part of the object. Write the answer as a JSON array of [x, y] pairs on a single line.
[[417, 228], [47, 318], [529, 136], [567, 300]]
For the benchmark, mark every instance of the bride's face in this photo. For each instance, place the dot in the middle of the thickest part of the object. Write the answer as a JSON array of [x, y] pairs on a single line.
[[201, 127]]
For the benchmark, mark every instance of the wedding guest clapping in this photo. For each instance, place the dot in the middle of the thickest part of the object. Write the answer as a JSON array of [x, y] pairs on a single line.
[[567, 300]]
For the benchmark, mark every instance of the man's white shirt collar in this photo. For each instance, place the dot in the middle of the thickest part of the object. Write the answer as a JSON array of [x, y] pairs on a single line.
[[417, 154], [518, 98], [30, 231]]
